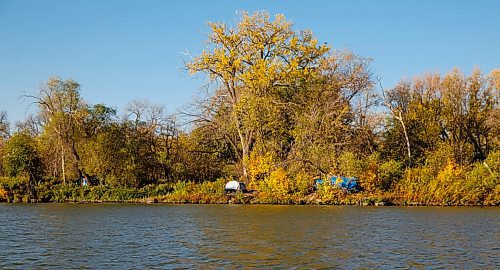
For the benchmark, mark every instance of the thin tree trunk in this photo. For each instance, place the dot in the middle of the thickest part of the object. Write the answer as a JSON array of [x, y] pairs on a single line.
[[244, 147], [406, 138], [63, 164], [399, 117], [77, 157], [32, 187]]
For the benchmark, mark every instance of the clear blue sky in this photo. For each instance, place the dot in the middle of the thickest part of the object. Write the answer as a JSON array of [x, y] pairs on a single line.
[[124, 50]]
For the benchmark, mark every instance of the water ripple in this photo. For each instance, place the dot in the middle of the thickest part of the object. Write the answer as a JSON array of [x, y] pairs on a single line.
[[55, 236]]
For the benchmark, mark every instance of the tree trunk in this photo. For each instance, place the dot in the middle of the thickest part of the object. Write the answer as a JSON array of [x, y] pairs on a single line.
[[32, 187], [406, 138], [63, 165], [245, 147], [78, 161], [245, 153]]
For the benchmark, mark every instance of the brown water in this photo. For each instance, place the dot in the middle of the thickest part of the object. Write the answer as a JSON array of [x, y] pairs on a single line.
[[62, 236]]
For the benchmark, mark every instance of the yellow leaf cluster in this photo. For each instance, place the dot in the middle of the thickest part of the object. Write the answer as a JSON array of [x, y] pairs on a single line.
[[3, 194], [278, 182]]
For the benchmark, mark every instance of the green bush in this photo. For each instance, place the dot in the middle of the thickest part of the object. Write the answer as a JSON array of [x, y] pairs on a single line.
[[330, 194], [389, 173], [154, 190], [77, 193], [14, 189], [349, 165], [303, 183], [191, 192]]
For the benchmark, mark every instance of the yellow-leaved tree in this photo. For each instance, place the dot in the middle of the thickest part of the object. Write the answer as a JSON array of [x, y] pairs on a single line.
[[255, 66]]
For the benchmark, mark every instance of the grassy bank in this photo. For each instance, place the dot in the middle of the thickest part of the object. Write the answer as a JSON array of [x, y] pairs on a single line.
[[15, 191], [439, 182]]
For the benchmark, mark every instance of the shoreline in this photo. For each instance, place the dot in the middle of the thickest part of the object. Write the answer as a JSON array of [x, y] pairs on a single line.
[[153, 201], [213, 193]]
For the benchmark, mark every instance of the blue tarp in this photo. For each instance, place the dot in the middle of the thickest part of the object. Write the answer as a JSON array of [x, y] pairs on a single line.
[[347, 183]]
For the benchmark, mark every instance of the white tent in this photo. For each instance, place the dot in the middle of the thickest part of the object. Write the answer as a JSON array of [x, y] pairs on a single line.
[[235, 186]]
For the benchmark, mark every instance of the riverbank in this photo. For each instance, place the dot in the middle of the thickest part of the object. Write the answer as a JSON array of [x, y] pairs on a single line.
[[15, 191], [360, 199]]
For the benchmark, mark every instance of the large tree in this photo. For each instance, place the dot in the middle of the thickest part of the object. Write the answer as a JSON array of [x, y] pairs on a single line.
[[254, 65], [62, 111]]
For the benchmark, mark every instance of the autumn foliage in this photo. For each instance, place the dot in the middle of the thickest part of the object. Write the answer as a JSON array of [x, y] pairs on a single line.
[[282, 109]]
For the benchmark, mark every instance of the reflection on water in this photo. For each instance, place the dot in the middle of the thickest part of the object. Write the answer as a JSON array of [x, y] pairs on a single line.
[[236, 236]]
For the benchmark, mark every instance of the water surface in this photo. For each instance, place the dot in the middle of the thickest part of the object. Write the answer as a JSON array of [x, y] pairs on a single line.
[[125, 236]]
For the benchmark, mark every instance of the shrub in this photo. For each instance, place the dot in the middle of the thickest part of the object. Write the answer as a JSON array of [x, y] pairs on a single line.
[[367, 171], [302, 183], [330, 194], [349, 165], [14, 188], [452, 184], [3, 195], [389, 173], [483, 181], [413, 186], [277, 183], [259, 168], [190, 192], [154, 190]]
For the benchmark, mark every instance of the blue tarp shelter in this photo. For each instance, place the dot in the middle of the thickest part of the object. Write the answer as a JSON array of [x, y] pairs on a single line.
[[347, 183]]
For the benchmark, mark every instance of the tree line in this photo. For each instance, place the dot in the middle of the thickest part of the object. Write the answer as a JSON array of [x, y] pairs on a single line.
[[280, 109]]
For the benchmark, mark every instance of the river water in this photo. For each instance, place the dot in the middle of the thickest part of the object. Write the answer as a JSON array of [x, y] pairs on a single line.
[[123, 236]]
